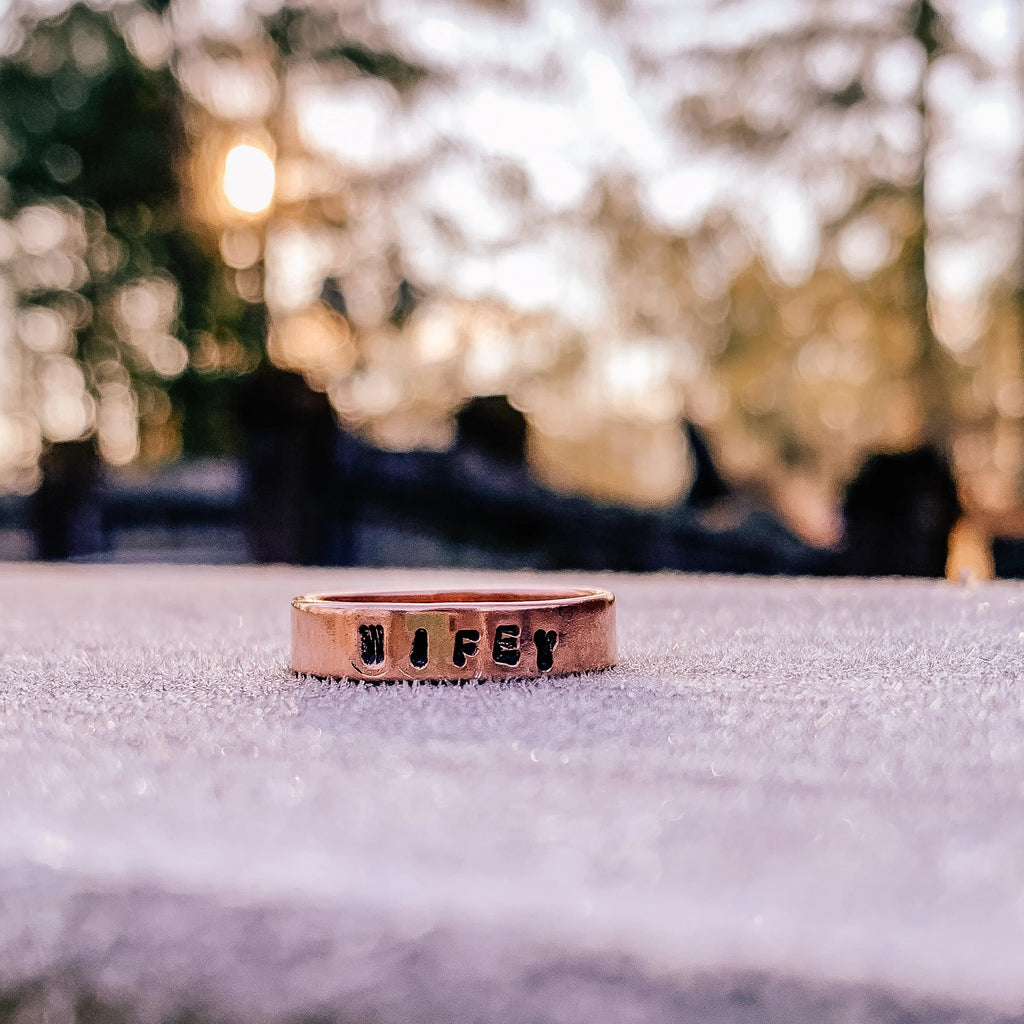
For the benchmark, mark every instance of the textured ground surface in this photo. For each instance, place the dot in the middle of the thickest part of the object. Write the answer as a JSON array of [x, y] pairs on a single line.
[[792, 801]]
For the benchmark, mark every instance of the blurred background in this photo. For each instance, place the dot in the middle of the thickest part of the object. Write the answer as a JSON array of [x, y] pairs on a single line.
[[724, 285]]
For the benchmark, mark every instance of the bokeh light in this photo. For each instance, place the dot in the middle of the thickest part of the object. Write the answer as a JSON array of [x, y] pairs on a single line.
[[249, 179], [793, 228]]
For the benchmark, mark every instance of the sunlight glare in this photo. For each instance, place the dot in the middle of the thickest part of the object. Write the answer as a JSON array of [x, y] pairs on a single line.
[[249, 179]]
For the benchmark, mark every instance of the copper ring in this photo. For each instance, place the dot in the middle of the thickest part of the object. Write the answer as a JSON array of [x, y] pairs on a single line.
[[480, 634]]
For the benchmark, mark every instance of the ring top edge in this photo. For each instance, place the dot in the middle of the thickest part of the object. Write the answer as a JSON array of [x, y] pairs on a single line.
[[454, 600]]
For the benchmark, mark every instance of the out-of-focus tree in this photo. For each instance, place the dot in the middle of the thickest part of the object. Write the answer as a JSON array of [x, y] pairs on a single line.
[[826, 108], [115, 284], [474, 198], [142, 292], [319, 247], [873, 310], [977, 208], [128, 326], [369, 190]]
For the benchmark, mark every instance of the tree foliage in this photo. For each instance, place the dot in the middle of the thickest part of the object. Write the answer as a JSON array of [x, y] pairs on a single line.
[[114, 280], [794, 317]]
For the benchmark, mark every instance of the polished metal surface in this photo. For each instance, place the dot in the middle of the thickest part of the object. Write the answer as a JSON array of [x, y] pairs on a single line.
[[457, 635]]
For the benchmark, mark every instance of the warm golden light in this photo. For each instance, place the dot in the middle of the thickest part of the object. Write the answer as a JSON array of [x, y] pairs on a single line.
[[249, 179]]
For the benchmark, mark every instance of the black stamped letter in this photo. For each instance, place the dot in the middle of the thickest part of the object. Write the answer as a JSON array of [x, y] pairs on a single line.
[[545, 641], [465, 645], [506, 645], [371, 644], [419, 648]]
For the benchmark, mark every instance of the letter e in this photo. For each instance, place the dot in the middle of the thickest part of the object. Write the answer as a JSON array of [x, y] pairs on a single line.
[[506, 645]]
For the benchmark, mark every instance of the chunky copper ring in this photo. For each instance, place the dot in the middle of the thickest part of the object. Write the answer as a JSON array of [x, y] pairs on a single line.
[[453, 634]]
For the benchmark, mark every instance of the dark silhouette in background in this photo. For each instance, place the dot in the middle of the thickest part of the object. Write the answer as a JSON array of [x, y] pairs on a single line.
[[309, 491], [479, 504], [65, 510], [290, 492], [899, 511], [708, 485], [492, 430], [313, 493]]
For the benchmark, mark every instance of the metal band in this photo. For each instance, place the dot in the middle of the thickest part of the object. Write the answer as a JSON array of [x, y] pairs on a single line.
[[453, 634]]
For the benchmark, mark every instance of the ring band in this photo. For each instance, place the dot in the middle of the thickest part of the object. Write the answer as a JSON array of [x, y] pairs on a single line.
[[443, 634]]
